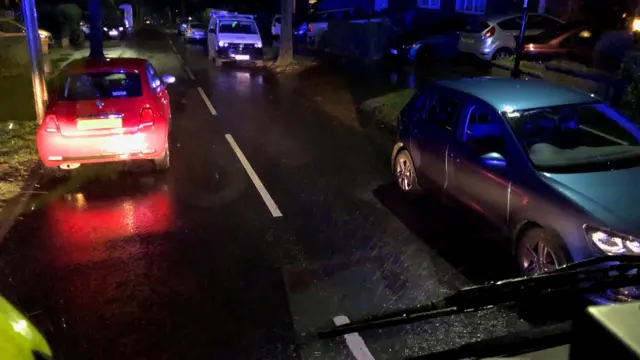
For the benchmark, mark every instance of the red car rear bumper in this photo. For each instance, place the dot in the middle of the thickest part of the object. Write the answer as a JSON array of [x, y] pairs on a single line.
[[56, 149]]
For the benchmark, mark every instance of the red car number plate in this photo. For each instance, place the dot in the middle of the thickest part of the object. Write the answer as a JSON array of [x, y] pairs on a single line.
[[94, 124]]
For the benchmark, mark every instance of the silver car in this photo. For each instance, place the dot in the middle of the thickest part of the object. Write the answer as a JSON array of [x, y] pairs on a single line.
[[555, 169], [494, 37], [195, 31]]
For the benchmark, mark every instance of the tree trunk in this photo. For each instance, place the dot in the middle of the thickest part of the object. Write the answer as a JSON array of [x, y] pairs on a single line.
[[285, 57], [95, 29]]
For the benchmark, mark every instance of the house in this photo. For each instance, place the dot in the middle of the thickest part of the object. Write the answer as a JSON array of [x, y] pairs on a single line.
[[417, 12]]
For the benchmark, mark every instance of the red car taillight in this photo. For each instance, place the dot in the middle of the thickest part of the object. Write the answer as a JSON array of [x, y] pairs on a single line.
[[50, 124], [489, 33], [310, 28], [188, 31], [147, 118]]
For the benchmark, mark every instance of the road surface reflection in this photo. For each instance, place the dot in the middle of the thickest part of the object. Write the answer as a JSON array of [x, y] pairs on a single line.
[[82, 231]]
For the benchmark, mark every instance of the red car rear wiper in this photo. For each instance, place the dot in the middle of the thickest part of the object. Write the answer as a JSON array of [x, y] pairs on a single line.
[[584, 277]]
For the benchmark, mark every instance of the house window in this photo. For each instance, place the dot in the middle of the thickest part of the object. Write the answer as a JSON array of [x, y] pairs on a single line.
[[429, 4], [471, 6], [381, 4]]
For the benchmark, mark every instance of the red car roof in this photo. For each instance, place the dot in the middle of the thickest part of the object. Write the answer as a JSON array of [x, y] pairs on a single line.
[[107, 64]]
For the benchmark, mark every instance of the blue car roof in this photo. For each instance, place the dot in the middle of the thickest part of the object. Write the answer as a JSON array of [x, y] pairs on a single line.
[[518, 94]]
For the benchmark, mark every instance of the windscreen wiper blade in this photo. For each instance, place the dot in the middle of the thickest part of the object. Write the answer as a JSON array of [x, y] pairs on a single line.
[[584, 277]]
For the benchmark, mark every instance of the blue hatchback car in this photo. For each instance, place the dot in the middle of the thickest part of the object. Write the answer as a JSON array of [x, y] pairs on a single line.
[[556, 169]]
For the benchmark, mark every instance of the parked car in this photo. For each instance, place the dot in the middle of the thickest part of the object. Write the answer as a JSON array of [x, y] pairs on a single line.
[[10, 27], [553, 168], [318, 22], [427, 43], [182, 25], [114, 29], [300, 28], [494, 37], [195, 31], [105, 111], [84, 26], [576, 44]]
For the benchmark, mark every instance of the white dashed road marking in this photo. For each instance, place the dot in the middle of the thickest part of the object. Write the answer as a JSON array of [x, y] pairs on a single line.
[[186, 68], [207, 102], [256, 180], [354, 341]]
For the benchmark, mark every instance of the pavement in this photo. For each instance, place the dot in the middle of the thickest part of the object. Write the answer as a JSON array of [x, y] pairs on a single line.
[[277, 217], [58, 57]]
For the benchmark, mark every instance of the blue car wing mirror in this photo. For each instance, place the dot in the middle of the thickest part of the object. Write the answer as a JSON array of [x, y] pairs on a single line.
[[493, 160]]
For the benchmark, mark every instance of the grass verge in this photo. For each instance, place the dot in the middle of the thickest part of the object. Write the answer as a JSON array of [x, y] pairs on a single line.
[[16, 98], [299, 64], [17, 155], [384, 109]]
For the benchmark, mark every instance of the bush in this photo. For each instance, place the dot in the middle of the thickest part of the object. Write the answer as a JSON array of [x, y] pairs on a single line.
[[630, 104], [630, 72], [611, 50]]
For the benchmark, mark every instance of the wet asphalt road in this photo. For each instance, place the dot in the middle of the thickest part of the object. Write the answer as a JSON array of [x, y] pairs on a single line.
[[192, 264]]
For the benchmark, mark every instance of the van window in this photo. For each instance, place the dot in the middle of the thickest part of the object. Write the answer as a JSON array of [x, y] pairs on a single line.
[[237, 27]]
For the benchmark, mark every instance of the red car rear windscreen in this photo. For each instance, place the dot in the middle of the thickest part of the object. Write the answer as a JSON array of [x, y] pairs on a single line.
[[100, 85]]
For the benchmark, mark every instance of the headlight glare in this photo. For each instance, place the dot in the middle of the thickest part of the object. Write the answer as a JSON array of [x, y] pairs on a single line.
[[611, 242]]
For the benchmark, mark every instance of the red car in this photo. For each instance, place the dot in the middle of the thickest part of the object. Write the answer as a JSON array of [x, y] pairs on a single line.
[[107, 110]]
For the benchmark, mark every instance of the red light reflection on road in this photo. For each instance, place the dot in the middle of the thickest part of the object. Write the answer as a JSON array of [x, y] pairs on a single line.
[[84, 231]]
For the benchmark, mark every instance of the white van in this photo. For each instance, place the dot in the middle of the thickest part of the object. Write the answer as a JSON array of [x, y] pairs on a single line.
[[233, 37]]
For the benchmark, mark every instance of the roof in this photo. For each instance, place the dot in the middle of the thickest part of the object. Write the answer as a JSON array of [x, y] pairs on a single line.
[[518, 94], [107, 63], [325, 5]]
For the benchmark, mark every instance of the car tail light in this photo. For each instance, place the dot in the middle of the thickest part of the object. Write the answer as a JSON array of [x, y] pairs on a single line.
[[188, 31], [50, 124], [310, 28], [489, 33], [147, 118]]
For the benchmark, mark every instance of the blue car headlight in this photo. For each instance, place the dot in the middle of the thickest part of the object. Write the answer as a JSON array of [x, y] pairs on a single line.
[[611, 242]]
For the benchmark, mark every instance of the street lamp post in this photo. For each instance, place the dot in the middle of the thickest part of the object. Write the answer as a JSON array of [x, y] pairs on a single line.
[[35, 55], [515, 72]]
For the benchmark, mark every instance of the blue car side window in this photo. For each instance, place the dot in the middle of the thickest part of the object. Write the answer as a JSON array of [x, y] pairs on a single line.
[[442, 111], [415, 106], [484, 132]]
